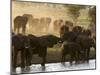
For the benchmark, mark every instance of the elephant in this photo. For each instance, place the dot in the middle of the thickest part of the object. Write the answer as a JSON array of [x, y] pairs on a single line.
[[78, 30], [44, 23], [21, 22], [63, 30], [35, 23], [66, 27], [69, 24], [57, 24], [86, 43], [40, 44], [72, 49], [81, 37], [20, 43], [87, 32]]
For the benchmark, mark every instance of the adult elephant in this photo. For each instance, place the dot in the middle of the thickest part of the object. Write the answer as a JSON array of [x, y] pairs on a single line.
[[86, 42], [70, 47], [35, 24], [57, 24], [44, 23], [63, 30], [69, 24], [66, 27], [40, 44], [21, 22], [78, 30], [20, 43], [84, 38]]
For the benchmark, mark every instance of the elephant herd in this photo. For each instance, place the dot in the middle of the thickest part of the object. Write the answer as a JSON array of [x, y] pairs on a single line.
[[20, 22], [39, 24], [75, 42]]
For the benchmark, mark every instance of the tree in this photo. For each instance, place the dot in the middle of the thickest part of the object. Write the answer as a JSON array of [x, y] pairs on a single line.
[[92, 15], [74, 11]]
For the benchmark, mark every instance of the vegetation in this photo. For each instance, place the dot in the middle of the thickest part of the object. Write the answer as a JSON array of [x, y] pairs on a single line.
[[92, 14], [74, 11]]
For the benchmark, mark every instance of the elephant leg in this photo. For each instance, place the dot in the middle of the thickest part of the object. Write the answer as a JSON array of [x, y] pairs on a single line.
[[43, 63], [63, 59], [47, 26], [44, 60], [83, 55], [23, 29], [15, 53], [22, 59], [44, 53], [71, 56], [28, 56], [15, 27], [12, 57], [77, 57], [88, 52], [18, 30], [63, 55]]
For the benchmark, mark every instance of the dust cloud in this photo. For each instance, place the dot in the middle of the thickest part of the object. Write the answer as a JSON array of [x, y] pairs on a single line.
[[38, 10]]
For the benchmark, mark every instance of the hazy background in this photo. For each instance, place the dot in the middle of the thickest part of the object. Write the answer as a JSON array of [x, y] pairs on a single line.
[[54, 11]]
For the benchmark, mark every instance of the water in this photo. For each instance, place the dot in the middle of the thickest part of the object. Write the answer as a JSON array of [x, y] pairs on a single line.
[[59, 67]]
